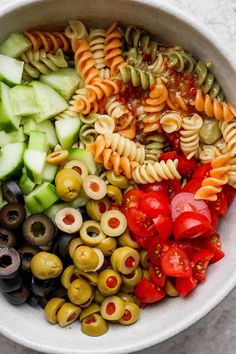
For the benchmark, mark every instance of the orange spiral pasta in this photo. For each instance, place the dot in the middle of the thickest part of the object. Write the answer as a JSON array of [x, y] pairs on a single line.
[[49, 41], [176, 102], [157, 97], [85, 63], [112, 49], [151, 122], [214, 108], [218, 177]]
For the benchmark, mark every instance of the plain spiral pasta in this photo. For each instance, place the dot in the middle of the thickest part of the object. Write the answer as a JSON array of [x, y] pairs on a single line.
[[189, 135]]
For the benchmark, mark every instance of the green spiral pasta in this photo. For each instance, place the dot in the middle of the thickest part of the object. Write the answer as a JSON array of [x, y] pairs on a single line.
[[181, 61], [137, 77], [135, 58], [153, 148], [87, 134]]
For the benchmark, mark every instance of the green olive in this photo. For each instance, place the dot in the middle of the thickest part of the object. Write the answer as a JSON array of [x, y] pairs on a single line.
[[112, 308], [109, 282], [91, 277], [91, 233], [93, 308], [131, 314], [144, 259], [89, 302], [85, 259], [129, 281], [114, 193], [126, 297], [68, 276], [95, 187], [98, 297], [108, 246], [210, 131], [113, 223], [94, 325], [170, 289], [126, 240], [95, 208], [80, 292], [68, 184], [74, 244], [118, 181], [52, 309], [125, 259], [146, 274], [46, 265], [67, 314]]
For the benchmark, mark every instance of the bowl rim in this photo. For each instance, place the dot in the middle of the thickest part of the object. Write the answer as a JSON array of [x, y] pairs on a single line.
[[231, 281]]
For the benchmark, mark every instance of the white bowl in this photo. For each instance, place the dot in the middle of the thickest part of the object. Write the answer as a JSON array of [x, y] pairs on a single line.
[[27, 326]]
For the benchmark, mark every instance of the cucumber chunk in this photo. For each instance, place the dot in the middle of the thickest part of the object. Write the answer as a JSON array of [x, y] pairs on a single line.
[[65, 81], [41, 198], [67, 131], [11, 70], [84, 156], [26, 185], [34, 162], [23, 100], [10, 138], [38, 141], [46, 126], [50, 103], [15, 45], [11, 160], [49, 172], [80, 201], [8, 120]]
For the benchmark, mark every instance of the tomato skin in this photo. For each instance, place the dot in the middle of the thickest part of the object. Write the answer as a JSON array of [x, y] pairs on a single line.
[[192, 186], [213, 244], [154, 204], [139, 222], [220, 205], [190, 224], [202, 171], [131, 199], [201, 260], [214, 218], [164, 226], [174, 187], [186, 167], [185, 285], [157, 276], [155, 187], [173, 139], [156, 249], [176, 263], [147, 292], [170, 155], [229, 192], [143, 241]]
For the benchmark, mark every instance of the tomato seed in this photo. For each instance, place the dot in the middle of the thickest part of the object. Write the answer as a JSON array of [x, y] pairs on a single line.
[[111, 282], [69, 219], [113, 223]]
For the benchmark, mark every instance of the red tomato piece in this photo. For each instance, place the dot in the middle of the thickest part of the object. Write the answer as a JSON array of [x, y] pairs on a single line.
[[213, 244], [154, 204], [190, 224], [170, 155], [186, 245], [202, 171], [185, 201], [156, 249], [155, 187], [200, 261], [173, 139], [147, 292], [185, 285], [131, 199], [176, 263], [229, 192], [164, 226], [214, 218], [139, 222], [192, 186], [143, 241], [220, 205], [157, 276], [174, 187], [186, 167]]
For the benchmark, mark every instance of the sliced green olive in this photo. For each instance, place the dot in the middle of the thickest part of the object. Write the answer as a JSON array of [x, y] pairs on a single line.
[[98, 297], [74, 244], [85, 258], [126, 297], [67, 314], [94, 325], [144, 259], [210, 131], [107, 246], [80, 292], [129, 281], [114, 193], [146, 274], [46, 265], [125, 259], [91, 233], [77, 166], [90, 277], [126, 240], [170, 289], [95, 208], [91, 309], [69, 220], [118, 181], [109, 282], [68, 276], [131, 314], [94, 187], [112, 308], [68, 184], [113, 223], [52, 309]]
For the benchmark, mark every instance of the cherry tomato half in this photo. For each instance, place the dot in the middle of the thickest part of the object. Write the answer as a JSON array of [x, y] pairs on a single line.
[[192, 186], [174, 187], [202, 171], [176, 263], [156, 249], [190, 224], [164, 226], [170, 155], [131, 199], [155, 187], [185, 201], [157, 276], [220, 205], [154, 204], [200, 261], [229, 192], [147, 292], [185, 285], [173, 139], [213, 244], [186, 167], [139, 222], [143, 241]]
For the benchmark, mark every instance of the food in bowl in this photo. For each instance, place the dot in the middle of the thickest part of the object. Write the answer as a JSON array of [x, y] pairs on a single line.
[[117, 161]]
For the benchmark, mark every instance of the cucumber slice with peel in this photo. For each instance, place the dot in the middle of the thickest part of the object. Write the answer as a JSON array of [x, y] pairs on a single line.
[[23, 100], [34, 162], [11, 160], [10, 138], [85, 157], [49, 172], [41, 198], [15, 45], [25, 184], [9, 122], [67, 131], [46, 126], [11, 70], [38, 141]]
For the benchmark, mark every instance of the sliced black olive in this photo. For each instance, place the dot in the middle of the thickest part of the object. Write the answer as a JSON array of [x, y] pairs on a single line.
[[7, 238], [61, 246], [18, 297], [8, 285], [60, 292], [33, 301], [9, 263], [42, 302], [38, 230], [11, 192], [43, 287], [26, 254], [84, 213], [12, 215]]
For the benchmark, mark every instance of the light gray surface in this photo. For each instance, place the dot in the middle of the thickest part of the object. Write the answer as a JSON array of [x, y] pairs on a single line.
[[216, 332]]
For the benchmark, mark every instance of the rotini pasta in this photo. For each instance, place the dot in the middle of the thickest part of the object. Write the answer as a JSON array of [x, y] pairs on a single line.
[[207, 153], [96, 40], [112, 50], [137, 77], [154, 145], [87, 134], [49, 41], [181, 61], [157, 97], [232, 172], [104, 123], [189, 135], [171, 122], [229, 134]]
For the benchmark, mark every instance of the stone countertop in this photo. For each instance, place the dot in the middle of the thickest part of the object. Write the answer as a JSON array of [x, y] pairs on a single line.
[[214, 334]]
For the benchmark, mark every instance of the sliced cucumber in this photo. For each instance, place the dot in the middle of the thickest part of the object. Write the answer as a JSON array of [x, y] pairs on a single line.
[[82, 200], [50, 103], [11, 70], [34, 162], [46, 126], [38, 141], [65, 81], [53, 210], [84, 156], [41, 198], [49, 172], [11, 160], [67, 131], [26, 185], [15, 45], [8, 120], [23, 100], [10, 138]]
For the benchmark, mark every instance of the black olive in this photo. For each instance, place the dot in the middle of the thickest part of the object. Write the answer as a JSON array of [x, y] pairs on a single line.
[[33, 301], [26, 254], [38, 230], [61, 246], [12, 192], [7, 238], [18, 297], [60, 292], [43, 287], [8, 285], [42, 302], [9, 263], [12, 215], [84, 213]]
